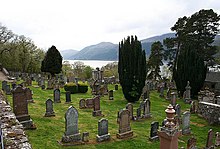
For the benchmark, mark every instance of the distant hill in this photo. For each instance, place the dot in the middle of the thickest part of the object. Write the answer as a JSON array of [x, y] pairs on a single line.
[[66, 54], [109, 51], [101, 51]]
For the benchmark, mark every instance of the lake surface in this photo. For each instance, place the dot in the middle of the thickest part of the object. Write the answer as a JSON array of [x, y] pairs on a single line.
[[92, 63]]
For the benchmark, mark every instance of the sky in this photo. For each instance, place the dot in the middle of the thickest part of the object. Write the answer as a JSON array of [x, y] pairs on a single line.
[[75, 24]]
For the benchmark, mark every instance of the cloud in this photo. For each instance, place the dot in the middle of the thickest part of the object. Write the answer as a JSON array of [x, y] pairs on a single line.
[[75, 24]]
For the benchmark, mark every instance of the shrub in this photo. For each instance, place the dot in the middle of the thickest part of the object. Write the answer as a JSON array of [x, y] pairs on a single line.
[[82, 88], [72, 87]]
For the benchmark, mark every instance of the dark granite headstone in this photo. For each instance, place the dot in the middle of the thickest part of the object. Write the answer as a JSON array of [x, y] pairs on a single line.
[[110, 93], [153, 131], [103, 130], [8, 90], [4, 84], [68, 96]]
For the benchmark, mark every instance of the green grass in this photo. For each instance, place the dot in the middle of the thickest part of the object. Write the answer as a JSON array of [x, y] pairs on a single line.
[[50, 129]]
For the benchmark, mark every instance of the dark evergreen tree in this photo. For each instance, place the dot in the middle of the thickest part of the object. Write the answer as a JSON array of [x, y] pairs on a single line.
[[131, 68], [194, 35], [155, 61], [52, 62], [190, 67]]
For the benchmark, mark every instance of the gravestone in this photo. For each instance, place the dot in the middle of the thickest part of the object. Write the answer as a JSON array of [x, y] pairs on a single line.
[[138, 113], [49, 108], [1, 137], [29, 94], [96, 107], [187, 96], [147, 113], [153, 131], [168, 97], [82, 104], [71, 134], [116, 87], [68, 96], [56, 96], [4, 84], [191, 143], [186, 123], [193, 107], [129, 106], [20, 108], [13, 85], [173, 99], [209, 142], [8, 90], [178, 110], [42, 87], [110, 93], [103, 134], [217, 139], [50, 84], [162, 91], [124, 125], [89, 103]]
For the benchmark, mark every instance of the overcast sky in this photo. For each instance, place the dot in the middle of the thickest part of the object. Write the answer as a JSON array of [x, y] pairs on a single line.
[[75, 24]]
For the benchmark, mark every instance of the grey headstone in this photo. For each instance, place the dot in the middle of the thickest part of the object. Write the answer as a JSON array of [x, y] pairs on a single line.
[[129, 106], [71, 118], [186, 123], [82, 103], [56, 95], [8, 89], [209, 142], [49, 108], [178, 110], [103, 130]]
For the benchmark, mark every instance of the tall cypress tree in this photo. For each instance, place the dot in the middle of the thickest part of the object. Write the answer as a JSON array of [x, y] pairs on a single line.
[[131, 68], [190, 67]]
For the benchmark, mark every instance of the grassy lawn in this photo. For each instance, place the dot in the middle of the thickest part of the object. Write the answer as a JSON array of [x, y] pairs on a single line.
[[50, 129]]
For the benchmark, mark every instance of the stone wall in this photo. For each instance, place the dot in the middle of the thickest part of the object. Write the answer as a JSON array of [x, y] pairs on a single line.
[[13, 132], [209, 111]]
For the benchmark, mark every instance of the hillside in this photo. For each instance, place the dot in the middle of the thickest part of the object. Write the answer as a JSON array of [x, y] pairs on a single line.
[[109, 51], [101, 51], [66, 54]]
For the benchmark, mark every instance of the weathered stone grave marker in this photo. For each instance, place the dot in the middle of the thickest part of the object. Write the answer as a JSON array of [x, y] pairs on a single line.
[[68, 96], [96, 108], [186, 123], [49, 108], [103, 134], [56, 96], [153, 131]]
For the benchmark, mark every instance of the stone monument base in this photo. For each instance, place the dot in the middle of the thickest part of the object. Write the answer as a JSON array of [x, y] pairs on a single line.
[[28, 124], [71, 138], [187, 100], [186, 131], [147, 116], [124, 135], [155, 138], [97, 113], [103, 137], [49, 114]]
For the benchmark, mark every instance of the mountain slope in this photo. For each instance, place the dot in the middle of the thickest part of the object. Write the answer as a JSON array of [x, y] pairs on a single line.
[[101, 51], [66, 54]]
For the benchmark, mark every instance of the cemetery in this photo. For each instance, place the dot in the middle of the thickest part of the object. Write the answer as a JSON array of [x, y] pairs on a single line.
[[165, 97], [88, 120]]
